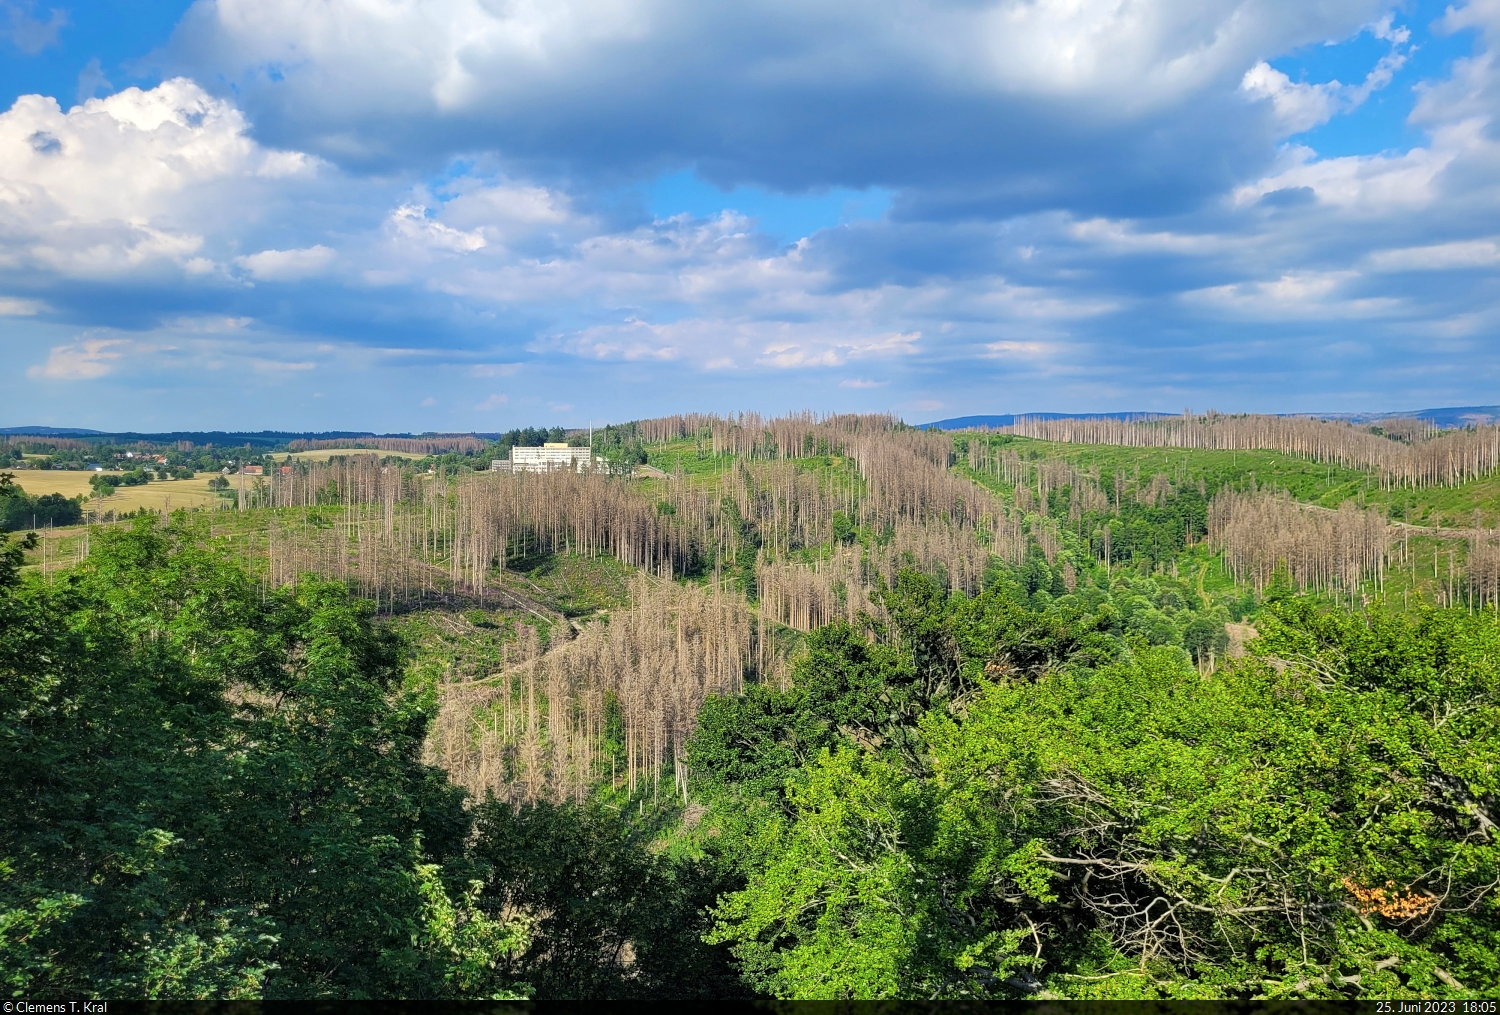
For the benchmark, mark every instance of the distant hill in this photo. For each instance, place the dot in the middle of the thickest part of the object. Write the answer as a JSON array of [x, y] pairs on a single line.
[[971, 422], [1452, 416], [49, 431], [222, 438]]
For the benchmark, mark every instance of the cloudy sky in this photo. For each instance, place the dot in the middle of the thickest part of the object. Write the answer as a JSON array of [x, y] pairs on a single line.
[[414, 215]]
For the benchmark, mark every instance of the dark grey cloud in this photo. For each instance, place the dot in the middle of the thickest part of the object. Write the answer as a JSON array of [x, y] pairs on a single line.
[[1091, 210], [971, 108]]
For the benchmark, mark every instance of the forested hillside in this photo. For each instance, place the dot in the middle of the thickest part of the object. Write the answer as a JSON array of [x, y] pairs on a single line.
[[810, 708]]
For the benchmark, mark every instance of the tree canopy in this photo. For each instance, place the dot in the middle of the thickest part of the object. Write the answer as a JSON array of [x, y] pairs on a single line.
[[218, 790], [1317, 821]]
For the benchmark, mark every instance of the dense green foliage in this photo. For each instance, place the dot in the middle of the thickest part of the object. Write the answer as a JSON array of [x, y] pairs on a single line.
[[105, 483], [20, 510], [216, 792], [621, 447], [953, 818], [616, 919]]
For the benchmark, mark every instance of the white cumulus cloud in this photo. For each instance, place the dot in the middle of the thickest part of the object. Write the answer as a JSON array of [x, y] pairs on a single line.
[[1083, 192], [288, 265], [1301, 105], [83, 360], [411, 222], [136, 179]]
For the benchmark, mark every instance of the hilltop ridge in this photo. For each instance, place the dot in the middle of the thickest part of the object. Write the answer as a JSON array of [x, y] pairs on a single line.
[[1446, 417]]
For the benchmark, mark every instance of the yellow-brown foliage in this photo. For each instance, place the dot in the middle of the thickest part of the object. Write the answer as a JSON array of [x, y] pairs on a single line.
[[1323, 550], [1390, 902], [537, 730]]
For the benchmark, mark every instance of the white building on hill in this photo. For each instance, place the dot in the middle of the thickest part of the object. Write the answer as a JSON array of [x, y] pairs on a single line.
[[547, 458]]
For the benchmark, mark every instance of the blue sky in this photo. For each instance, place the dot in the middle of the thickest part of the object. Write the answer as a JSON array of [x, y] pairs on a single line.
[[456, 215]]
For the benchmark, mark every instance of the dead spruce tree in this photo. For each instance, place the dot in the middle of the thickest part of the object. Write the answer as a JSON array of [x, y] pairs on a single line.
[[1324, 551], [1403, 457], [543, 727]]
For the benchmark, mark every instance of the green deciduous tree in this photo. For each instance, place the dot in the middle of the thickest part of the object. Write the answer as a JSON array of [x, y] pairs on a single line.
[[612, 918], [1315, 822], [218, 791]]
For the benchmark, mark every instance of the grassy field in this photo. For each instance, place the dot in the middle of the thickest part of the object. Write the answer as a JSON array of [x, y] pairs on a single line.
[[705, 470], [572, 585], [1309, 481], [693, 456], [166, 495], [1449, 507]]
